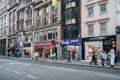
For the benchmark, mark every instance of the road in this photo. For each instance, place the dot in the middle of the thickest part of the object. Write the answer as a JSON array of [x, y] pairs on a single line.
[[32, 70]]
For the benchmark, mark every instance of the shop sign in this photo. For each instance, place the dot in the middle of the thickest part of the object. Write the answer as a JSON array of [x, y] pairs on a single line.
[[42, 45], [100, 38], [97, 38], [76, 41]]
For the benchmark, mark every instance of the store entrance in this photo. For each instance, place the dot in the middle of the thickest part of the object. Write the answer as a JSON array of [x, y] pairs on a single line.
[[73, 50], [89, 46]]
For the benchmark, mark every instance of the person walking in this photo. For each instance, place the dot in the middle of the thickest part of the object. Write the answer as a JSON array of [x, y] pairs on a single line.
[[108, 57], [43, 56], [54, 56], [112, 59], [36, 56], [94, 57], [32, 55], [104, 57], [69, 57]]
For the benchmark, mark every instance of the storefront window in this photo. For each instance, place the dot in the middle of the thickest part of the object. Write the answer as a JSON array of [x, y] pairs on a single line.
[[45, 37], [108, 42]]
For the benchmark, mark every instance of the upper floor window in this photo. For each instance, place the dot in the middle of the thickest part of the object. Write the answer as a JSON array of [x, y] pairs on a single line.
[[21, 15], [67, 1], [21, 4], [103, 27], [29, 14], [29, 24], [45, 21], [54, 18], [38, 23], [90, 11], [39, 12], [14, 13], [89, 0], [5, 17], [103, 8], [46, 9], [2, 19], [90, 30], [28, 1]]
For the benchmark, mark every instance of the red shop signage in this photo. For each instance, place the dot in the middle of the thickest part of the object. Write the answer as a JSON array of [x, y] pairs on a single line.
[[42, 44]]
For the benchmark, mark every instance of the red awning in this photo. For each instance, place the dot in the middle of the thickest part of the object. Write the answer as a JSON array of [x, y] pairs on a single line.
[[42, 44]]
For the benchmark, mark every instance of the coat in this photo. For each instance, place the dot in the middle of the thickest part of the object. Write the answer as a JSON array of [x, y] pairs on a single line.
[[112, 59]]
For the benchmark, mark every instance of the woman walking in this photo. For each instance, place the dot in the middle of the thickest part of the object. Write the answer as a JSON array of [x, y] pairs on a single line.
[[69, 57], [112, 59], [104, 57]]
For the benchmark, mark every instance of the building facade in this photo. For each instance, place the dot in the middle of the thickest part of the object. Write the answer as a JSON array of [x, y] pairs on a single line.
[[47, 28], [3, 26], [98, 26], [25, 27], [12, 26], [71, 29]]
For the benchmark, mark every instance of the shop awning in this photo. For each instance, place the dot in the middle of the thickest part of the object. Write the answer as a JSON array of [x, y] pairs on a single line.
[[42, 44]]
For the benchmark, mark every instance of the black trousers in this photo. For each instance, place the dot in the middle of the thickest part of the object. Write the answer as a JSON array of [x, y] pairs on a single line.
[[102, 60], [94, 60]]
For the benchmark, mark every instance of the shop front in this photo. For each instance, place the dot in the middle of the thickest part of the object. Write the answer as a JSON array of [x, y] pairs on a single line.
[[98, 43], [74, 46], [12, 49], [2, 46], [27, 49], [43, 47]]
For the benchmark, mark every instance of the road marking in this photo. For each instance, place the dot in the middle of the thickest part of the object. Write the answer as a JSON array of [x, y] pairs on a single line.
[[7, 69], [20, 63], [17, 72], [2, 60], [109, 75], [31, 77]]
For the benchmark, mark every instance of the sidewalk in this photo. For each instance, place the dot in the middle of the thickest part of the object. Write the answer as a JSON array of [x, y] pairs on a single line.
[[77, 63]]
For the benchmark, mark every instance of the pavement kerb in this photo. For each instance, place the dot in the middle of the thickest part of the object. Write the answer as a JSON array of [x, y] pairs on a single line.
[[64, 63], [84, 65]]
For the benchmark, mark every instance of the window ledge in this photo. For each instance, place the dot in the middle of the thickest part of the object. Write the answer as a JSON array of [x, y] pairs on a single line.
[[103, 13], [90, 16]]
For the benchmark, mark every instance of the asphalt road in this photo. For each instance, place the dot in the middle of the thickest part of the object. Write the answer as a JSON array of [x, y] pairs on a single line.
[[31, 70]]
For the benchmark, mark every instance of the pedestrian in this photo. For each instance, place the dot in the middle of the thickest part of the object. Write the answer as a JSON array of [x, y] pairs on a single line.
[[18, 54], [112, 59], [7, 54], [116, 56], [54, 56], [94, 58], [76, 56], [104, 57], [100, 57], [69, 57], [108, 57], [36, 55], [43, 56], [32, 55]]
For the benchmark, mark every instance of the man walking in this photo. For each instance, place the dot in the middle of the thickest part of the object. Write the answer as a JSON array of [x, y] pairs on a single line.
[[94, 57], [69, 57]]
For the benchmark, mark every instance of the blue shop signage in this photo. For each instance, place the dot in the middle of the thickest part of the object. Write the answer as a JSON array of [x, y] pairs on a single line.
[[76, 41]]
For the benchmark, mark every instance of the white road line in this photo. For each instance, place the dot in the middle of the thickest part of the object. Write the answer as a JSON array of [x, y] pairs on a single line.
[[7, 69], [109, 75], [17, 72], [19, 63], [31, 77]]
